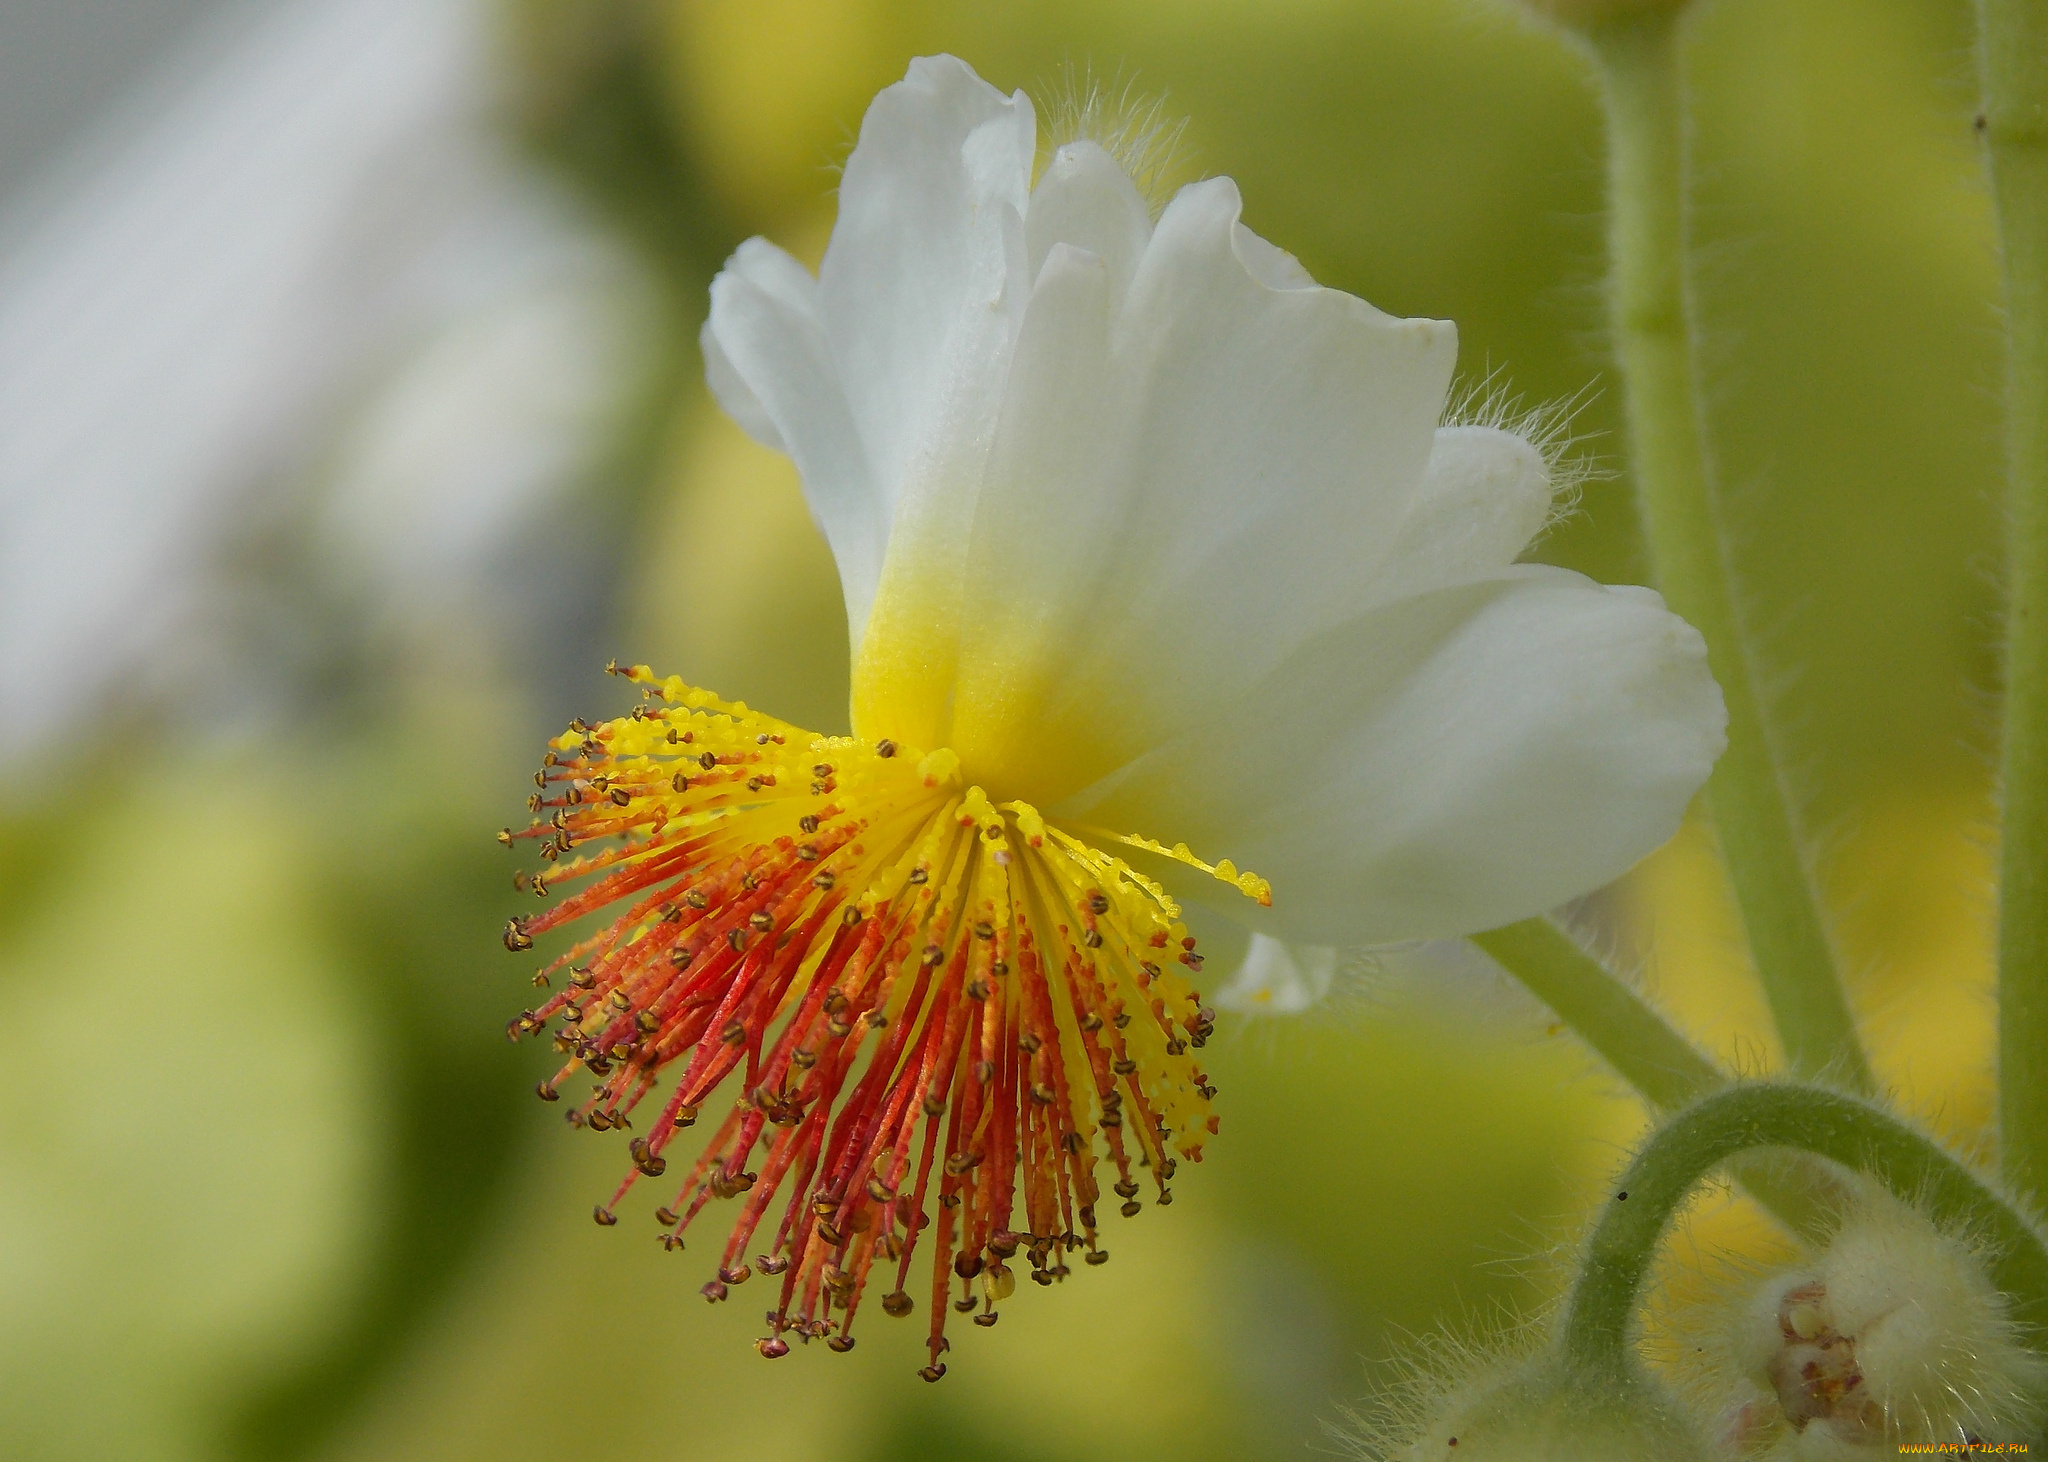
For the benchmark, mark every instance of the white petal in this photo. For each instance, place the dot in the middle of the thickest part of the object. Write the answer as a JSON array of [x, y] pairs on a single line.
[[1444, 764], [922, 289], [1228, 490], [1277, 978], [1485, 495], [1086, 199], [766, 360], [923, 278]]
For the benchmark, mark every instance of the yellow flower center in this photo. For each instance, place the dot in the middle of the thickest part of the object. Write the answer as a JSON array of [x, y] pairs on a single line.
[[930, 996]]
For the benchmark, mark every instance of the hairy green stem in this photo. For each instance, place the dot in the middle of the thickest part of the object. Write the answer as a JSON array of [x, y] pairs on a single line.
[[1600, 1319], [1638, 63], [1663, 1066], [1613, 1019], [2013, 61]]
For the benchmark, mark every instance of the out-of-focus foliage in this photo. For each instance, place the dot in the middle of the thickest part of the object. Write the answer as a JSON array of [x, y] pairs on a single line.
[[275, 1186]]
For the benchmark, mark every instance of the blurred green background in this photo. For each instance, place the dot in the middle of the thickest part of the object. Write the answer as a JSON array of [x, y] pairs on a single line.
[[273, 1186]]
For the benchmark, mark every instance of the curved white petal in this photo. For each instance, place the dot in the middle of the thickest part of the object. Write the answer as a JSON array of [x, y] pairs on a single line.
[[1087, 200], [1484, 497], [1446, 763], [1277, 978], [1228, 485], [766, 360], [924, 277]]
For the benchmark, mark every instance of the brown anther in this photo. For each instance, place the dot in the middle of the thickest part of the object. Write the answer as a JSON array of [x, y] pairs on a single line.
[[985, 1320], [762, 920], [808, 823], [686, 1115], [823, 880], [984, 1072], [1072, 1142], [770, 1266], [880, 1191], [666, 1217], [604, 1216], [806, 853], [1093, 939], [984, 930], [772, 1347], [934, 1105], [999, 968], [885, 748], [516, 937], [1091, 1022], [621, 796], [830, 1233], [750, 880], [670, 1242], [1165, 1197], [714, 1291], [540, 982], [875, 1019], [1003, 1243], [697, 899], [735, 1032], [737, 938], [1042, 1094], [967, 1265], [679, 782], [680, 955], [838, 1028], [803, 1059], [1123, 1067], [505, 836], [619, 1000], [933, 955], [547, 1093], [897, 1304], [1029, 1042], [1167, 1167], [931, 1372], [965, 1304], [920, 875], [1131, 1209], [1126, 1189], [977, 989], [1096, 1256], [850, 918], [736, 1276], [960, 1163], [582, 976], [1176, 1046], [1120, 1020], [708, 760], [822, 769]]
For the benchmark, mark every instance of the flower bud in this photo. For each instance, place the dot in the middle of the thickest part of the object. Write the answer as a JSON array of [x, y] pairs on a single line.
[[1538, 1410], [1893, 1335]]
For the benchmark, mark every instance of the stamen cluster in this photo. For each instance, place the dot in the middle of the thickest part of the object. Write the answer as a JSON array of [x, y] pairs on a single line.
[[929, 1000]]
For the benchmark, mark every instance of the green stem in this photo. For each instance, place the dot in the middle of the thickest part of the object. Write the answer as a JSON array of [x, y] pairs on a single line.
[[1599, 1322], [1639, 67], [2013, 59], [1613, 1019], [1643, 1048]]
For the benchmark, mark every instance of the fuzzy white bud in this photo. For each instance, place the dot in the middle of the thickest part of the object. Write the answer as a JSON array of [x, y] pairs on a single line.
[[1538, 1410], [1892, 1335]]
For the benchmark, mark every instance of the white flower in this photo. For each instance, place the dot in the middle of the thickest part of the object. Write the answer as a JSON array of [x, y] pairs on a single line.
[[1144, 536], [1160, 535]]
